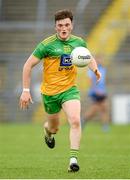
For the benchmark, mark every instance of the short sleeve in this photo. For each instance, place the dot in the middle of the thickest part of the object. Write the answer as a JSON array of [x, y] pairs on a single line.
[[40, 51], [84, 43]]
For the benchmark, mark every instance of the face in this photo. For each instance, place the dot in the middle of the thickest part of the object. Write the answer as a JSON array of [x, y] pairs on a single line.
[[63, 28]]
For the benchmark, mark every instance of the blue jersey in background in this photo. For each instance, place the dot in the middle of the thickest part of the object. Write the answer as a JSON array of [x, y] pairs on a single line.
[[100, 87]]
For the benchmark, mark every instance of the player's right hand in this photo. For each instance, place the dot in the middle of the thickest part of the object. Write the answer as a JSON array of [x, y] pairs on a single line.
[[25, 100], [98, 75]]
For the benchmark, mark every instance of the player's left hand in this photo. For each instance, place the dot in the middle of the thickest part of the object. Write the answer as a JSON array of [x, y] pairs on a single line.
[[98, 75]]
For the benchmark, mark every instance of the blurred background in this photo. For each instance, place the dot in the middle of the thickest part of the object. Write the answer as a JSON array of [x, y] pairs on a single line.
[[105, 24]]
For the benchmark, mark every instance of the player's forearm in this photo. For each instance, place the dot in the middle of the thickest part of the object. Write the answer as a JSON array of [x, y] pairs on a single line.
[[26, 76], [93, 65]]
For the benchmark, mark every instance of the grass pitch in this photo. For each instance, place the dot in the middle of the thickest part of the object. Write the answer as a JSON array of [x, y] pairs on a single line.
[[23, 153]]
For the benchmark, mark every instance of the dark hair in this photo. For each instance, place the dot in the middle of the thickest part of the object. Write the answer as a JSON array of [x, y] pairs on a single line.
[[63, 14]]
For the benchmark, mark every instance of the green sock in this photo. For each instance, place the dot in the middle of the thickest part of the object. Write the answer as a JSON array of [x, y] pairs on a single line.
[[74, 153]]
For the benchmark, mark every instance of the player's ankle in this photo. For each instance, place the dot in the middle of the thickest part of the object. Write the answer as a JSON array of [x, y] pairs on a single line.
[[73, 160], [47, 132], [73, 155]]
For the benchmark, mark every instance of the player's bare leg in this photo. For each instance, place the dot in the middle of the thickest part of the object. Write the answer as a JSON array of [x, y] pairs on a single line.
[[92, 111], [72, 109], [50, 128], [89, 114], [104, 113]]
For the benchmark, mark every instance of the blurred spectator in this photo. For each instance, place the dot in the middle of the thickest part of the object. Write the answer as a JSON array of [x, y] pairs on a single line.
[[98, 96]]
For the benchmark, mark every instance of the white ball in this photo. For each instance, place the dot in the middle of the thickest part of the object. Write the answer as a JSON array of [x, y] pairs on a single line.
[[81, 56]]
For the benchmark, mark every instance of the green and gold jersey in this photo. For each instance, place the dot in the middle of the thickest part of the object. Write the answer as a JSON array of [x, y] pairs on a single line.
[[58, 74]]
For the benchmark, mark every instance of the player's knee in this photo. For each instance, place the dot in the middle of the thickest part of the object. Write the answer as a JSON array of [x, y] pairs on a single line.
[[75, 122]]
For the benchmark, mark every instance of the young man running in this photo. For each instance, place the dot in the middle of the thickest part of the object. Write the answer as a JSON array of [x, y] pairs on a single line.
[[58, 89]]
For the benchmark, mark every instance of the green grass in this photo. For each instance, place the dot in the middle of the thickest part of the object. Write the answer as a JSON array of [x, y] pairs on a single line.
[[23, 153]]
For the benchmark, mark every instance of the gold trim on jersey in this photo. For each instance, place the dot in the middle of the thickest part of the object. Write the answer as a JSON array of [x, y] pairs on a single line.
[[49, 39], [77, 37]]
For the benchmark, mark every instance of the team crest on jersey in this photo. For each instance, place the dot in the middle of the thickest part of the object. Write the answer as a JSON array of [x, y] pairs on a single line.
[[67, 49]]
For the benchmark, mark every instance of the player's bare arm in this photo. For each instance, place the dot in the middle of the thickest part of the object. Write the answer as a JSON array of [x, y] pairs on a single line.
[[26, 98], [93, 66]]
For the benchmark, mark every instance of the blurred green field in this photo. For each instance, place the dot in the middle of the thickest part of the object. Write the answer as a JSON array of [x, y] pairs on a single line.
[[23, 153]]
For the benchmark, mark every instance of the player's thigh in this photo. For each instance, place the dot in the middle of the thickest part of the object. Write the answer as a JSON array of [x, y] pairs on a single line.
[[72, 108], [103, 106], [94, 107]]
